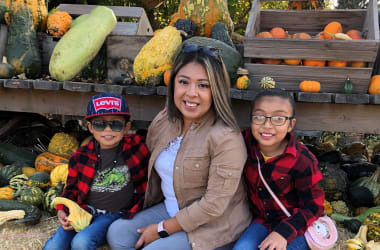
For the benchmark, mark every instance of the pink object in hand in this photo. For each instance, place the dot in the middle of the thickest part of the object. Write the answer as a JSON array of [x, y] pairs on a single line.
[[322, 234]]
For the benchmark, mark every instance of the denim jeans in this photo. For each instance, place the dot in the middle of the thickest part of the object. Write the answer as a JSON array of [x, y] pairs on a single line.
[[256, 233], [91, 237]]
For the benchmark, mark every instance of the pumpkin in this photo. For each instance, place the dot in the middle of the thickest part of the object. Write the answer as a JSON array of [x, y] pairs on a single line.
[[243, 82], [348, 88], [328, 207], [354, 244], [6, 193], [354, 34], [39, 179], [30, 195], [278, 32], [186, 25], [267, 83], [47, 161], [272, 61], [331, 29], [264, 34], [23, 51], [32, 213], [18, 181], [49, 197], [373, 223], [338, 64], [59, 174], [7, 71], [58, 23], [219, 32], [370, 182], [167, 75], [357, 64], [152, 60], [374, 85], [28, 171], [78, 217], [292, 61], [310, 86], [11, 215], [7, 172], [37, 7], [204, 14], [63, 144]]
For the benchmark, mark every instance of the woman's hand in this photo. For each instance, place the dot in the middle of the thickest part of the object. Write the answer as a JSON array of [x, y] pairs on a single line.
[[148, 235], [273, 241], [62, 218]]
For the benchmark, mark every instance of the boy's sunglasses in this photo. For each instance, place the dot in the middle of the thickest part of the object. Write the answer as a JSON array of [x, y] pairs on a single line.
[[100, 125], [208, 50]]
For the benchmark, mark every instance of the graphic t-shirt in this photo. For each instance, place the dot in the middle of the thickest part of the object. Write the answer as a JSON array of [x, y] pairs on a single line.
[[112, 188]]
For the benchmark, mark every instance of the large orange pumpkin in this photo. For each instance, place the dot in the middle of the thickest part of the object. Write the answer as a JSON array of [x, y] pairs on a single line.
[[331, 29], [338, 64], [354, 34], [310, 86], [374, 86], [47, 161], [204, 14], [278, 32]]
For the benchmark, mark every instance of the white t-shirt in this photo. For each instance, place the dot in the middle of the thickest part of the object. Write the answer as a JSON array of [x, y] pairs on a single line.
[[164, 166]]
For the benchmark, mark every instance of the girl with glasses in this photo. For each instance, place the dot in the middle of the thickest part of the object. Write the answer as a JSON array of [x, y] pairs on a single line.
[[195, 197], [289, 168]]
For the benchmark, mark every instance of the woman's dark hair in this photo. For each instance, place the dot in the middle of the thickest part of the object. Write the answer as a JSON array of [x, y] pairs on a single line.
[[276, 93]]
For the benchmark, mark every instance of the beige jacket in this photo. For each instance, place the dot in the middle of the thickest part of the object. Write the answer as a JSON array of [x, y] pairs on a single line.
[[207, 179]]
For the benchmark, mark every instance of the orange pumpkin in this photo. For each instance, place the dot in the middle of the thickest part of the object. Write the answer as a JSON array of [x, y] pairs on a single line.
[[167, 75], [310, 86], [6, 193], [264, 34], [301, 35], [331, 29], [278, 32], [374, 85], [292, 61], [58, 23], [358, 64], [47, 161], [354, 34], [338, 64], [272, 61]]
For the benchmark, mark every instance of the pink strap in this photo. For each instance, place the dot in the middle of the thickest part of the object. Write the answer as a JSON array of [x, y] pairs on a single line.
[[270, 190]]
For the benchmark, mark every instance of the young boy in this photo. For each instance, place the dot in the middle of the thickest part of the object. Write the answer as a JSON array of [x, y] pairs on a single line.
[[290, 170], [107, 177]]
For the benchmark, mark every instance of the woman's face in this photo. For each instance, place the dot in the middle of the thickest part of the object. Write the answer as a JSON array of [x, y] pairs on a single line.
[[192, 93]]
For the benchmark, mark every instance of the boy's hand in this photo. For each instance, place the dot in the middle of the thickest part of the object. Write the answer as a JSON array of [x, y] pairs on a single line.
[[148, 235], [273, 241], [62, 217]]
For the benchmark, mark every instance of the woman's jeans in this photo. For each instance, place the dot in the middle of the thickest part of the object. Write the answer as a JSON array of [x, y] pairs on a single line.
[[256, 233], [91, 237]]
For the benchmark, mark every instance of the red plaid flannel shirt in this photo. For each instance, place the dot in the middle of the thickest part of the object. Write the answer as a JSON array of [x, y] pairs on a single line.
[[82, 171], [293, 177]]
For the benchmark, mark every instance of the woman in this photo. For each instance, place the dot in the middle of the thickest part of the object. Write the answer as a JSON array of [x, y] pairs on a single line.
[[195, 197]]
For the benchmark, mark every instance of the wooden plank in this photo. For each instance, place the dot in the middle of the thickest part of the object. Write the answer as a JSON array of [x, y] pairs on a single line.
[[162, 90], [119, 11], [374, 99], [18, 84], [3, 40], [314, 97], [116, 89], [371, 24], [288, 77], [357, 50], [121, 53], [78, 86], [139, 90], [253, 24], [47, 85], [144, 25], [352, 98]]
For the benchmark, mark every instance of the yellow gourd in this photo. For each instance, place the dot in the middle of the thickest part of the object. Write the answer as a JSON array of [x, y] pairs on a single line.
[[156, 56], [11, 215], [63, 144], [59, 174], [243, 82], [6, 193], [78, 217], [355, 244]]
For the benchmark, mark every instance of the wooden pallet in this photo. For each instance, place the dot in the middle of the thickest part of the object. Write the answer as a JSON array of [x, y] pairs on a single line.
[[312, 22]]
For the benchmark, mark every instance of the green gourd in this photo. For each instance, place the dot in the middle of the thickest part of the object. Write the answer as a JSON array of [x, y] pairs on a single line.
[[39, 179], [50, 195], [18, 181], [30, 195], [7, 71], [370, 182], [348, 88], [32, 213], [361, 217], [7, 172]]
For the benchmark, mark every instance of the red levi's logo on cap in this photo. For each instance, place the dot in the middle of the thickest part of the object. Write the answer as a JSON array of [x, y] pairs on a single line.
[[107, 103]]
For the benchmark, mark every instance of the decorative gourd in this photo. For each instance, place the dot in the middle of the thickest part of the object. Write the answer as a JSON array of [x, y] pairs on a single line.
[[334, 181], [372, 245], [220, 32], [374, 86], [59, 174], [267, 83], [371, 182], [361, 217], [68, 59], [7, 172], [6, 193], [354, 244], [167, 76], [32, 213], [30, 195], [10, 153], [264, 34], [340, 207], [230, 56], [63, 144], [310, 86], [186, 25], [328, 207], [23, 51], [37, 7], [373, 222], [352, 225], [39, 179], [204, 14], [18, 181], [78, 217], [156, 56], [7, 71], [46, 162], [28, 171], [243, 82], [58, 23], [11, 215], [78, 20], [331, 29], [50, 195], [348, 88], [278, 32]]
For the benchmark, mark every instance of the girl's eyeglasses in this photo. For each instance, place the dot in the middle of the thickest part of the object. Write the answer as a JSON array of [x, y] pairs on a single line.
[[208, 50], [100, 125], [274, 120]]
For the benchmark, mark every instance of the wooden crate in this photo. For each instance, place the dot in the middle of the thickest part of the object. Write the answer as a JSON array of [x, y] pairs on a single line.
[[139, 25], [312, 22]]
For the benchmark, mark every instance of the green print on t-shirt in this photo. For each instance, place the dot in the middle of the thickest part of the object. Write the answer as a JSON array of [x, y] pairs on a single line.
[[111, 180]]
